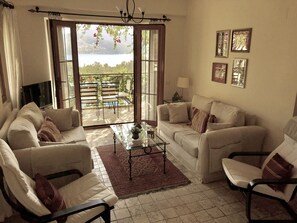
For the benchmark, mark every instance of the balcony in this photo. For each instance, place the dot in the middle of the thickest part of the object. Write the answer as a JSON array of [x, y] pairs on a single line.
[[106, 98]]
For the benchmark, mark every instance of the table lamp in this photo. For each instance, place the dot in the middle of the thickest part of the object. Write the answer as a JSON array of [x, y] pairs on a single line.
[[183, 83]]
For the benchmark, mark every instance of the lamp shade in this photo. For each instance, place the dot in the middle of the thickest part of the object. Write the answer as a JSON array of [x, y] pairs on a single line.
[[183, 82]]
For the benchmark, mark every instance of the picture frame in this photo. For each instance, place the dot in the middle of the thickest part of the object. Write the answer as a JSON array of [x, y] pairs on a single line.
[[241, 40], [219, 72], [222, 43], [239, 72]]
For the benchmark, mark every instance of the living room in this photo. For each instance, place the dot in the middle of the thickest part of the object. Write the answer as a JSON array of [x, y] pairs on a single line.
[[190, 51], [270, 90]]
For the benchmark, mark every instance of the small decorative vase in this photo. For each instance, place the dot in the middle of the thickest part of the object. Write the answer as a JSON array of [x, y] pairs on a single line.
[[135, 135]]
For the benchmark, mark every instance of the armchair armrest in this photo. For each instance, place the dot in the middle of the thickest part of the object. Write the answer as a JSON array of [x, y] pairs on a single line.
[[55, 158], [63, 174], [162, 113], [75, 118], [255, 153], [259, 181], [248, 136], [74, 210]]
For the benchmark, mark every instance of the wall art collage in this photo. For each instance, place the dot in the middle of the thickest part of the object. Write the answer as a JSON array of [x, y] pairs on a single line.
[[240, 43]]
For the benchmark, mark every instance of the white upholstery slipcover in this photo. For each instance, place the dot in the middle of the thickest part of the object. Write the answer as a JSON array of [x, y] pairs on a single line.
[[84, 189], [203, 153], [240, 174]]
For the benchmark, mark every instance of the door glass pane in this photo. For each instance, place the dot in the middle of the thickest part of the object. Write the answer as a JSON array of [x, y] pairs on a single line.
[[64, 43], [66, 66], [149, 74]]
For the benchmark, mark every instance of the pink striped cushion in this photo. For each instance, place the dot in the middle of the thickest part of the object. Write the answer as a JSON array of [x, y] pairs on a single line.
[[277, 168]]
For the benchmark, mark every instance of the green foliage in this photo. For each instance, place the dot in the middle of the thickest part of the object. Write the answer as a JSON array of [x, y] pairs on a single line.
[[98, 68], [118, 33]]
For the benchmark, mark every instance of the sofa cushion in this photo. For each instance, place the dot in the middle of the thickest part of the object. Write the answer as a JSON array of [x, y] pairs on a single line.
[[32, 113], [227, 114], [202, 103], [188, 140], [199, 121], [178, 112], [170, 129], [61, 117], [22, 134], [49, 132], [74, 135]]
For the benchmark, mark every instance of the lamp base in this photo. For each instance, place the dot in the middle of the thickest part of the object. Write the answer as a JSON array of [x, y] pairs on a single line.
[[176, 97]]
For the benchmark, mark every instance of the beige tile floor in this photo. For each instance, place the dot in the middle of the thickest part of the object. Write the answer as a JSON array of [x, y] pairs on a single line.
[[196, 202]]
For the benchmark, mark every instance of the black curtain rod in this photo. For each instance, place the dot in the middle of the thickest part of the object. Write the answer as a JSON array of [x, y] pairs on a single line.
[[6, 4], [56, 13]]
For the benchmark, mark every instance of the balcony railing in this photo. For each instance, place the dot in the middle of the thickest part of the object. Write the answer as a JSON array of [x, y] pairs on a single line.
[[91, 89]]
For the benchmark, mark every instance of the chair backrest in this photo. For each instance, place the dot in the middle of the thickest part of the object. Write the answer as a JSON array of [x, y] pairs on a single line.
[[288, 150], [109, 88], [20, 185]]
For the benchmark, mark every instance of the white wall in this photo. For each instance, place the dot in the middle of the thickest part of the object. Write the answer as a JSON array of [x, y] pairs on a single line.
[[271, 83], [37, 62]]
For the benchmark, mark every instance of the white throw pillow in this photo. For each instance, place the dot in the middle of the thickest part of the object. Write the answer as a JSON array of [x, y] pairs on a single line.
[[32, 113], [178, 112], [62, 118]]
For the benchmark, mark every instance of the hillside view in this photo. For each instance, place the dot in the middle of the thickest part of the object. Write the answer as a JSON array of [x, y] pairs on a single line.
[[105, 49]]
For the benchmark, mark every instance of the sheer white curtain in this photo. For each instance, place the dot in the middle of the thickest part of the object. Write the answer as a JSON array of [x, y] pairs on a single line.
[[12, 55], [12, 63]]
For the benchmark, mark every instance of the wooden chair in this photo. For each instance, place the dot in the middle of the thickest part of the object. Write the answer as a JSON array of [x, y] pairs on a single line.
[[247, 178], [89, 96], [86, 198], [109, 95]]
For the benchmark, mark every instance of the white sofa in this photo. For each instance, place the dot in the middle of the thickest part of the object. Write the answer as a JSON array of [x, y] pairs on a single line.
[[19, 129], [203, 152]]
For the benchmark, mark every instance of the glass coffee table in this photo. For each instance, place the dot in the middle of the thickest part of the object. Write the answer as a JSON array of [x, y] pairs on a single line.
[[148, 139]]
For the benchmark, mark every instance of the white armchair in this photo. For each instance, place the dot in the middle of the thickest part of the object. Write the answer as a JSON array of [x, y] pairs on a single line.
[[277, 178], [82, 200]]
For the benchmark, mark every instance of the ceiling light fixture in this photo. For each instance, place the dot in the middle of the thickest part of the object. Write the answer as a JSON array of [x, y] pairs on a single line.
[[128, 14]]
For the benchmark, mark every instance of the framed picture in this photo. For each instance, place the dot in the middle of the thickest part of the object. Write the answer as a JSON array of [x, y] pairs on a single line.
[[222, 43], [239, 69], [241, 40], [219, 72]]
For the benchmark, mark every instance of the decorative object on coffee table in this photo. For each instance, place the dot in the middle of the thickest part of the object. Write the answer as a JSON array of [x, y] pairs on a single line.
[[147, 172], [135, 132]]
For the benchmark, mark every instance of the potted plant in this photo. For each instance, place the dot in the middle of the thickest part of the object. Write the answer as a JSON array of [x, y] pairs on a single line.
[[135, 132]]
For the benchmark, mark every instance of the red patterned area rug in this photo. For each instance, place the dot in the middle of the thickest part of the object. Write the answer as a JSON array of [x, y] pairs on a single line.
[[147, 172]]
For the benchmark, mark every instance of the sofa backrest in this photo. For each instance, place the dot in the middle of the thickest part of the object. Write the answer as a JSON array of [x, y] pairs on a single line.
[[228, 114], [7, 115], [202, 103]]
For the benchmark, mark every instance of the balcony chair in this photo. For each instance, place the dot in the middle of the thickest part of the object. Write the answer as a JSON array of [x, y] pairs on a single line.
[[89, 97], [109, 95], [86, 198], [277, 178]]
